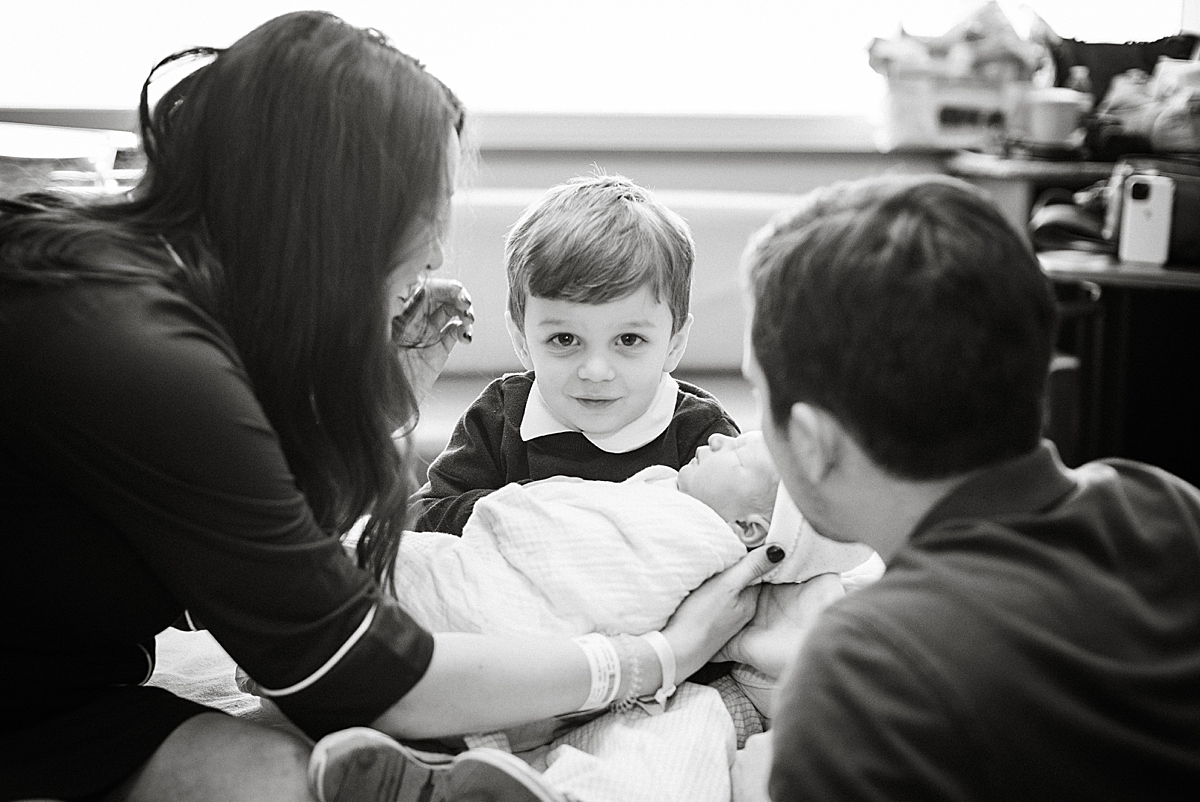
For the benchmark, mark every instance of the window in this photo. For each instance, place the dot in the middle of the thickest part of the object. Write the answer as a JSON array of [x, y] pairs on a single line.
[[727, 57]]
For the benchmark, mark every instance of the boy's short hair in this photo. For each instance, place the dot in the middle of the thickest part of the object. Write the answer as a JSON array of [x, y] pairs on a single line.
[[911, 310], [595, 239]]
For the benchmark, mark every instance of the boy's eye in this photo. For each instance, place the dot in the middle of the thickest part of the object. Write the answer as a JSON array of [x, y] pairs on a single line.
[[630, 340], [562, 340]]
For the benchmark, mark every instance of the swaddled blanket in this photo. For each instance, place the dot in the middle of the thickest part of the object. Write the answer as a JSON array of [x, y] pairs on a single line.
[[567, 556]]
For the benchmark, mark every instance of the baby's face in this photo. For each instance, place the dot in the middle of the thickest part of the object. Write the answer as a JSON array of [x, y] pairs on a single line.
[[733, 475], [599, 365]]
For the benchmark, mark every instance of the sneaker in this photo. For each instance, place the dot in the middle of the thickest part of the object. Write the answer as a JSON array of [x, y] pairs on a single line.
[[364, 765], [493, 775]]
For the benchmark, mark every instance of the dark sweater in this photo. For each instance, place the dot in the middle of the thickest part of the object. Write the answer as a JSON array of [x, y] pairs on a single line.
[[486, 451], [1038, 639]]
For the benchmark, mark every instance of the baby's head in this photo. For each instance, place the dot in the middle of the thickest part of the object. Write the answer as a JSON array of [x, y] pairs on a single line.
[[599, 283], [736, 477]]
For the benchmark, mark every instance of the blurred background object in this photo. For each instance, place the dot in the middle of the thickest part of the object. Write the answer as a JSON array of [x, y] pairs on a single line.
[[39, 157]]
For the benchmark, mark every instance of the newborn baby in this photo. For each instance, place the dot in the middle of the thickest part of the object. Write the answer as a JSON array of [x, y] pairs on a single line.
[[569, 556]]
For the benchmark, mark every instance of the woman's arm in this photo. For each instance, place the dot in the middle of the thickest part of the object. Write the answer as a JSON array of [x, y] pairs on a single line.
[[478, 683]]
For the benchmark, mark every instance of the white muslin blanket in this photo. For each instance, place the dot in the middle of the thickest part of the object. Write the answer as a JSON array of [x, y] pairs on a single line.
[[569, 556]]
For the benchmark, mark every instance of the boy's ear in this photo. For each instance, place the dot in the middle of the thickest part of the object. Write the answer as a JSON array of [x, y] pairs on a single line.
[[815, 438], [751, 530], [679, 341], [518, 340]]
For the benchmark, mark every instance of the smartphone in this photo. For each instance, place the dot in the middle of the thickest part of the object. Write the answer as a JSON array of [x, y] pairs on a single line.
[[1147, 202]]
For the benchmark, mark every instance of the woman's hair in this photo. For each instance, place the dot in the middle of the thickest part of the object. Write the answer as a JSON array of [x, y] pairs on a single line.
[[595, 239], [911, 310], [284, 174]]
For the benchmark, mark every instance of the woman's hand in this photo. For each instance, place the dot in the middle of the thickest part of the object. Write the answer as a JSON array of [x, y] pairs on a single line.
[[714, 612], [435, 318], [784, 617]]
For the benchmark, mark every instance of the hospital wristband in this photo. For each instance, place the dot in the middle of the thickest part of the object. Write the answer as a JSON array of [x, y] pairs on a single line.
[[666, 659], [605, 667]]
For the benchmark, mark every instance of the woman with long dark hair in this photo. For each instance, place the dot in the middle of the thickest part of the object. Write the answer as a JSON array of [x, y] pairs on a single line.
[[198, 390]]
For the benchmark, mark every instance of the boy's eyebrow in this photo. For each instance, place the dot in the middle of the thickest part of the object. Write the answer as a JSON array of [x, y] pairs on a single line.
[[639, 323]]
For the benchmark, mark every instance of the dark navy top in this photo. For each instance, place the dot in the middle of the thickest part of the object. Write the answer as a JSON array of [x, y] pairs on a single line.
[[139, 479], [486, 451]]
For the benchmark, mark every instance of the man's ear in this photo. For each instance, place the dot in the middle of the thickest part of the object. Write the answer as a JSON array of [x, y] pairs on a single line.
[[815, 437], [751, 530], [679, 341], [518, 340]]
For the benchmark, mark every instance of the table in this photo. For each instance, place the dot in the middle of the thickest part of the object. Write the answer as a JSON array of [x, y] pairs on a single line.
[[1015, 183], [1141, 400]]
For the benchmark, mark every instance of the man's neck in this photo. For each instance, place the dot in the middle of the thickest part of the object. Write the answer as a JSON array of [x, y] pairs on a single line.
[[881, 510]]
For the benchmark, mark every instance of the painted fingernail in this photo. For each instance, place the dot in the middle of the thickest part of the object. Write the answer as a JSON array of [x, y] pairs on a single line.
[[775, 553]]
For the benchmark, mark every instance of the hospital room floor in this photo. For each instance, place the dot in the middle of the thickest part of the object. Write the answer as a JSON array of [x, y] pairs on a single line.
[[453, 393]]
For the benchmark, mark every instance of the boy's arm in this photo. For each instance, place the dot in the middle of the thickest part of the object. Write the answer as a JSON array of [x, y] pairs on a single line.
[[471, 466]]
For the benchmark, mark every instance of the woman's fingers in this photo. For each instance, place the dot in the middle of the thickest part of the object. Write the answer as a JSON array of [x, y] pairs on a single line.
[[716, 610], [440, 311], [754, 565]]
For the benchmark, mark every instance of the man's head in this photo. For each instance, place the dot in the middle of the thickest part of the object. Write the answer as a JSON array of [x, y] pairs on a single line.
[[910, 311], [736, 477], [599, 277]]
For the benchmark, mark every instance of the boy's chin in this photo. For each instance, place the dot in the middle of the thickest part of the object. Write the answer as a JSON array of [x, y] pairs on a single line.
[[596, 423]]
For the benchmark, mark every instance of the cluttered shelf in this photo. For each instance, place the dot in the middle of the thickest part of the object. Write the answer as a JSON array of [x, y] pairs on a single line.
[[973, 164], [1108, 271]]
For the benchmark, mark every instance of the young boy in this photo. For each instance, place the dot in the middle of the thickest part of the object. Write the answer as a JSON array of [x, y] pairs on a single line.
[[599, 281]]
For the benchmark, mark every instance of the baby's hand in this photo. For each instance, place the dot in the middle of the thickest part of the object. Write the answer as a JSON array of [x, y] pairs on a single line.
[[435, 318]]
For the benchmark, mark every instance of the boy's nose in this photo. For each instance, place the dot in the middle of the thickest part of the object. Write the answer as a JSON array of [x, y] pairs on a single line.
[[596, 368]]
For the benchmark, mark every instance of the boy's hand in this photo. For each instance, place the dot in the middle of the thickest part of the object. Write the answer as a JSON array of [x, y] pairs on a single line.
[[435, 318]]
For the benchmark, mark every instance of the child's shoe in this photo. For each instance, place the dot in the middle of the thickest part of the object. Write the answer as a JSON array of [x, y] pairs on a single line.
[[364, 765], [493, 775]]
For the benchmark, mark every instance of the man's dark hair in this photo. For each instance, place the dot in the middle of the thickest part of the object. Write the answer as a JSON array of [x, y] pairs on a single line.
[[912, 311]]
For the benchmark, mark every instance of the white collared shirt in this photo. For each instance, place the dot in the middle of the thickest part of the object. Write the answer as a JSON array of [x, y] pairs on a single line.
[[539, 421]]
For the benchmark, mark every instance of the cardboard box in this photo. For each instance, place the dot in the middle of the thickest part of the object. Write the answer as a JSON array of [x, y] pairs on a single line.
[[940, 112]]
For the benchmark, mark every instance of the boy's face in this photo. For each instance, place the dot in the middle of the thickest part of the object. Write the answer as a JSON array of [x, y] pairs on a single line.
[[599, 365], [733, 475]]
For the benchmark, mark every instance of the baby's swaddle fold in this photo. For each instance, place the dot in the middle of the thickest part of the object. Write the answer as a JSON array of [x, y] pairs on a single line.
[[566, 556], [809, 553]]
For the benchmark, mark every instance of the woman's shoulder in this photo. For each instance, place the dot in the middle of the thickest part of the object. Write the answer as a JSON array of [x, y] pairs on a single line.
[[111, 339], [132, 313]]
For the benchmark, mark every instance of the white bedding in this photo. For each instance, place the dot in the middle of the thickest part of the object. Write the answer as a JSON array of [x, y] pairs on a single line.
[[566, 556], [569, 557]]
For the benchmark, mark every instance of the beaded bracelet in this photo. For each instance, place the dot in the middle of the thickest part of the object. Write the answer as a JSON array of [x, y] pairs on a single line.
[[605, 669], [630, 698]]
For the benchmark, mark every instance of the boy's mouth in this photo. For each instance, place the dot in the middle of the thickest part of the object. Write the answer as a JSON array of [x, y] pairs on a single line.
[[596, 403]]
